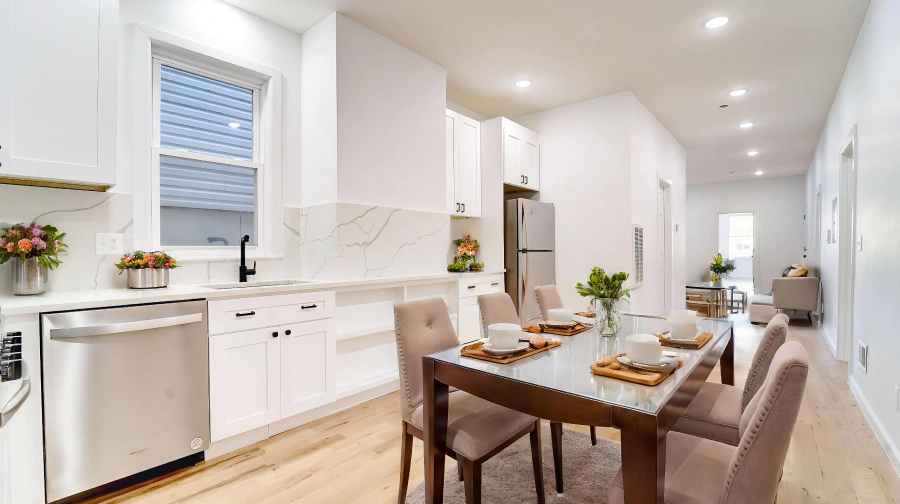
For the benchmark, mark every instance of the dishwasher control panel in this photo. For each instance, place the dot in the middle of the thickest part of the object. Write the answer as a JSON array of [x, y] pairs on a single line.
[[11, 356]]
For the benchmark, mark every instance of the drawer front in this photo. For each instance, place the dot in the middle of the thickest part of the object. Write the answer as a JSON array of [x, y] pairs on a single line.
[[232, 315], [478, 286]]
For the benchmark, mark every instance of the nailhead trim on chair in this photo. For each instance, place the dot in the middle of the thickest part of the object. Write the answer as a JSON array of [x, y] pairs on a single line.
[[754, 372], [409, 405]]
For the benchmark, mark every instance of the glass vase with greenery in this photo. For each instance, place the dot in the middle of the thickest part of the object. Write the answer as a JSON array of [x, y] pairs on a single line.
[[720, 267], [605, 292]]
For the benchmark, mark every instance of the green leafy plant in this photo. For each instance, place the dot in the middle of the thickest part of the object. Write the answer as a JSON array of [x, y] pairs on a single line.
[[602, 286], [719, 267], [146, 260], [25, 242], [466, 248]]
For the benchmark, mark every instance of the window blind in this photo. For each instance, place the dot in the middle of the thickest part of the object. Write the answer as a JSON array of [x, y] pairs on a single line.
[[188, 183]]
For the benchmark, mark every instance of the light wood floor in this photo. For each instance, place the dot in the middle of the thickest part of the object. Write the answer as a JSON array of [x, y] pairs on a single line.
[[353, 456]]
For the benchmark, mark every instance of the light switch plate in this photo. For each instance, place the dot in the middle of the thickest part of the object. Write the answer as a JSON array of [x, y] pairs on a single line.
[[109, 243], [859, 243], [897, 397]]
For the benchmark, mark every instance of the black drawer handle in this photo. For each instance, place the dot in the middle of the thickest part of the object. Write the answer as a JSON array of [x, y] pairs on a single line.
[[308, 307], [471, 286], [495, 283], [249, 313]]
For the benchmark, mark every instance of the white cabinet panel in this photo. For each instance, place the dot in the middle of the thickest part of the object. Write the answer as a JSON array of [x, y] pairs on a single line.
[[307, 366], [241, 314], [469, 320], [512, 150], [58, 90], [463, 147], [521, 156], [244, 381]]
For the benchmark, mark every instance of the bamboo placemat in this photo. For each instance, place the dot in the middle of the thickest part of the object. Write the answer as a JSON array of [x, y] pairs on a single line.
[[475, 352], [702, 339], [543, 328], [608, 366]]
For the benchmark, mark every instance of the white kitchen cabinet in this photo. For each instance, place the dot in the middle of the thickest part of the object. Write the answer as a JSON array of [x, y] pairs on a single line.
[[58, 92], [517, 150], [469, 326], [463, 158], [308, 351], [244, 381]]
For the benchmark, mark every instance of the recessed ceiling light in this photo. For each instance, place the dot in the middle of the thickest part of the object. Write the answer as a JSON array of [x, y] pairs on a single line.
[[716, 22], [234, 125], [738, 92], [752, 153], [759, 172], [523, 83], [747, 125]]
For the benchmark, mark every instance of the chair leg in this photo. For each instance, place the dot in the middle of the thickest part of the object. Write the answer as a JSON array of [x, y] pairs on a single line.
[[556, 432], [406, 446], [459, 469], [472, 478], [593, 436], [536, 461], [809, 316]]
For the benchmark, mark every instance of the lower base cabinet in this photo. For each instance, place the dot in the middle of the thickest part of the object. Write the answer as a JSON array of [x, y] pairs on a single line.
[[260, 376]]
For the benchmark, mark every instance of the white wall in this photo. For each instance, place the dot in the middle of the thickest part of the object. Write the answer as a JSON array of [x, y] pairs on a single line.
[[318, 92], [867, 98], [777, 205], [599, 164]]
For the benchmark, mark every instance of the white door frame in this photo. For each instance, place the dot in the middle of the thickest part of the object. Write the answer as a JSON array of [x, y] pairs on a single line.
[[664, 247], [846, 247], [818, 234]]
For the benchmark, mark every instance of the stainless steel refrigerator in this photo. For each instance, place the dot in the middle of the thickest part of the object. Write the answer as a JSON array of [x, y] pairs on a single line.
[[530, 260]]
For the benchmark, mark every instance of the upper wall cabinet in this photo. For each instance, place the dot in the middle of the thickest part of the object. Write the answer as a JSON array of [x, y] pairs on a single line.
[[517, 150], [463, 150], [58, 92]]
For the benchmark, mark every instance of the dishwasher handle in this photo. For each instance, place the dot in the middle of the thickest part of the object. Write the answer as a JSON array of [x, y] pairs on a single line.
[[122, 327]]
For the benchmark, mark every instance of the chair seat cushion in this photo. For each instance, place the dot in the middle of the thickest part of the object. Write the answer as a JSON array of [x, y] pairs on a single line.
[[475, 426], [695, 471], [715, 413], [761, 299]]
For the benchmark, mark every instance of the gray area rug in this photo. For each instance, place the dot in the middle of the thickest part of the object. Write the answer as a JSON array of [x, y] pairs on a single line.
[[508, 477]]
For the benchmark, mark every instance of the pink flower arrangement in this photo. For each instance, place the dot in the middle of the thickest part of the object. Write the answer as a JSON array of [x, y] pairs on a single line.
[[147, 260], [25, 242]]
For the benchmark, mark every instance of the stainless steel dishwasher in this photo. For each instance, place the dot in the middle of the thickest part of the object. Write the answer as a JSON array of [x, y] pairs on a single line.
[[125, 390]]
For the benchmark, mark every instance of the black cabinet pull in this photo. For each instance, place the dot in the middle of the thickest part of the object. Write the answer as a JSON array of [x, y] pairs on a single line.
[[471, 286], [457, 207], [287, 333], [526, 179], [495, 283], [275, 334], [464, 208], [247, 314], [307, 307]]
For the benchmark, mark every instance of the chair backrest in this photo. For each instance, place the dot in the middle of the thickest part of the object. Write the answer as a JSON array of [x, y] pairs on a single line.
[[547, 299], [497, 309], [795, 293], [773, 337], [766, 428], [422, 327]]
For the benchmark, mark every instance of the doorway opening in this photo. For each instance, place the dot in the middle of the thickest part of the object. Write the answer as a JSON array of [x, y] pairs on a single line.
[[737, 244], [664, 249], [846, 238]]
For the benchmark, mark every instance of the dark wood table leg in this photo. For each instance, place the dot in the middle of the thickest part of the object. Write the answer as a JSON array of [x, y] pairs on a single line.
[[556, 434], [437, 398], [726, 363], [643, 456]]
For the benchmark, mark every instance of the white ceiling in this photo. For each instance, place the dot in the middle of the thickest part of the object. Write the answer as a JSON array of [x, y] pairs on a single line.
[[790, 54]]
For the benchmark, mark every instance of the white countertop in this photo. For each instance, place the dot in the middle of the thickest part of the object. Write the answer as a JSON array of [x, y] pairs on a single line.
[[76, 300]]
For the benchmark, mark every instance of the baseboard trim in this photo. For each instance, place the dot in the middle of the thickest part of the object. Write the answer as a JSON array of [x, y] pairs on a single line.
[[889, 447], [831, 345]]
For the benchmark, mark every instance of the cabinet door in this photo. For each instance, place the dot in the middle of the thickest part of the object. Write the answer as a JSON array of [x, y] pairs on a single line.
[[512, 154], [244, 381], [469, 320], [307, 366], [452, 182], [531, 162], [468, 173], [58, 90]]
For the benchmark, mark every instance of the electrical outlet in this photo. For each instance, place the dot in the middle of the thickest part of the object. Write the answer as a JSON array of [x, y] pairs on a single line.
[[863, 356], [859, 243], [897, 397], [109, 243]]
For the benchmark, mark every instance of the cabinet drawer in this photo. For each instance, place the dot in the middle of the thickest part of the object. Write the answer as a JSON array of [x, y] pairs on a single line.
[[232, 315], [478, 286]]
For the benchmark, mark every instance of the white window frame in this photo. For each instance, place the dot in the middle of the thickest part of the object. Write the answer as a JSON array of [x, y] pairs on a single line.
[[152, 49], [751, 235]]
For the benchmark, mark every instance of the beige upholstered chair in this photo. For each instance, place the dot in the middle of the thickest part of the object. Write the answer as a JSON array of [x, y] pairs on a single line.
[[498, 309], [715, 412], [796, 293], [548, 299], [476, 429], [703, 471]]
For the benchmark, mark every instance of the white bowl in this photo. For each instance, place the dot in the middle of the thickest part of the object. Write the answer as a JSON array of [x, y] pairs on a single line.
[[682, 330], [682, 316], [560, 316], [504, 336], [643, 348]]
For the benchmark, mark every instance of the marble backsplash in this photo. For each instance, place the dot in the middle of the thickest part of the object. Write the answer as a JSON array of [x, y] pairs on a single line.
[[335, 241]]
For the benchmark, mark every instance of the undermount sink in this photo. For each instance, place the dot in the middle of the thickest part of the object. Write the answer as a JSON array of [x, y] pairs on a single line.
[[261, 283]]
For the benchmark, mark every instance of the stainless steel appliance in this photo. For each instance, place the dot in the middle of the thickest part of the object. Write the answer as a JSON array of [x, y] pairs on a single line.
[[125, 390], [530, 260]]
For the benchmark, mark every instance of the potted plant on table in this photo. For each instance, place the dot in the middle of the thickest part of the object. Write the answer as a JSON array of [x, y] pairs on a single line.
[[605, 292], [720, 267], [34, 251], [147, 270], [464, 260]]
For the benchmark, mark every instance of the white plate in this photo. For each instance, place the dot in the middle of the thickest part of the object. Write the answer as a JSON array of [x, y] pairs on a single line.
[[521, 347], [662, 362]]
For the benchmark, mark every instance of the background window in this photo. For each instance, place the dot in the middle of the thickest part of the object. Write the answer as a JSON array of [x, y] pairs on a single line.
[[208, 177], [740, 236]]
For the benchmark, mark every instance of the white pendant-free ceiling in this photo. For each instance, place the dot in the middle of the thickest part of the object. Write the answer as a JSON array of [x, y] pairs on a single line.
[[791, 55]]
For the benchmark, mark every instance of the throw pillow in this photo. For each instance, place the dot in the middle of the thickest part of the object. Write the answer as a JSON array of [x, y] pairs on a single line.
[[797, 272]]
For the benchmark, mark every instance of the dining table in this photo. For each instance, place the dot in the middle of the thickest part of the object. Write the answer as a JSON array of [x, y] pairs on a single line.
[[721, 293], [558, 385]]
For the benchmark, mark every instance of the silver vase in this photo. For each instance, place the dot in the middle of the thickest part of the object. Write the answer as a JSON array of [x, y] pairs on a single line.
[[29, 277], [147, 278]]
